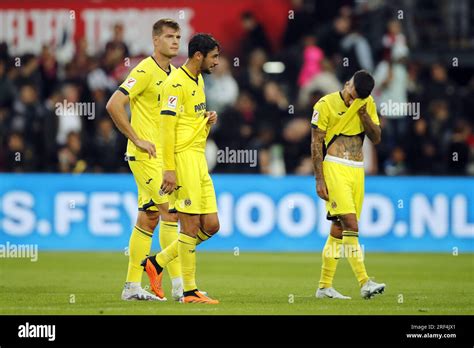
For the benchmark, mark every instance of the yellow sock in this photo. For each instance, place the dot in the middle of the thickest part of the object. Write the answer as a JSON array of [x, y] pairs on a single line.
[[138, 248], [168, 234], [168, 254], [187, 256], [330, 255], [202, 236], [353, 253]]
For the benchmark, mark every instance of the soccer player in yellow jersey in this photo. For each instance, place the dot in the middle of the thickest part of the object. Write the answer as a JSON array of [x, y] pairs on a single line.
[[340, 122], [143, 89], [185, 127]]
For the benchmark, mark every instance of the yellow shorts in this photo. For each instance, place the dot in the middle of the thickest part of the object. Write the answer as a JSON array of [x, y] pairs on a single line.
[[148, 176], [195, 191], [345, 183]]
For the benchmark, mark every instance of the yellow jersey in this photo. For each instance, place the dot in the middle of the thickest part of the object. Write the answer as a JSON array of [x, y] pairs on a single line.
[[183, 115], [331, 115], [143, 86]]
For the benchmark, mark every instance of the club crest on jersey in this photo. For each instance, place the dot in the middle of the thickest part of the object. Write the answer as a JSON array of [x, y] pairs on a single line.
[[130, 82], [187, 202], [172, 101], [315, 116]]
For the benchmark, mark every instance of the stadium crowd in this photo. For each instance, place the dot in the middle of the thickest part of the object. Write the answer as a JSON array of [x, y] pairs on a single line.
[[258, 108]]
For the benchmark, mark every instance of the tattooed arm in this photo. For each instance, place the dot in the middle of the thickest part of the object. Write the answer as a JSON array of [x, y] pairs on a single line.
[[371, 129], [317, 141]]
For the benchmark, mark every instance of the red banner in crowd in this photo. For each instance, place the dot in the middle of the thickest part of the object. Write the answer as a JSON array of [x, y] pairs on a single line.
[[28, 25]]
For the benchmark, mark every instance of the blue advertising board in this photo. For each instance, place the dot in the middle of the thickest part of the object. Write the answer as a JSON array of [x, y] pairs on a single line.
[[257, 213]]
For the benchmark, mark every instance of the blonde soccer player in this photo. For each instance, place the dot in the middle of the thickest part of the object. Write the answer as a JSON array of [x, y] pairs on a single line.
[[142, 89]]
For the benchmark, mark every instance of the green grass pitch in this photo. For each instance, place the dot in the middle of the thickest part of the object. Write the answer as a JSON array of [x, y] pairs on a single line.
[[250, 283]]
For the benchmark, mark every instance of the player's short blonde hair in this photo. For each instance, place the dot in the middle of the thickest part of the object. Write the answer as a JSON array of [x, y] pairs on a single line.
[[164, 22]]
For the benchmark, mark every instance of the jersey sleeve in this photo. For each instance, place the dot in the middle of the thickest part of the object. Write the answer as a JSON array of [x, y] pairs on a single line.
[[171, 104], [136, 82], [320, 117], [372, 111]]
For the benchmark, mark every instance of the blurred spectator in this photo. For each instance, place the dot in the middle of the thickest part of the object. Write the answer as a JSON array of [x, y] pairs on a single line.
[[356, 49], [326, 82], [6, 86], [254, 34], [297, 146], [457, 22], [117, 47], [253, 77], [439, 86], [423, 156], [108, 154], [69, 119], [28, 116], [312, 57], [391, 84], [18, 157], [299, 25], [221, 88], [331, 37], [273, 111], [393, 38], [27, 71], [238, 124], [71, 157], [458, 149], [395, 165], [48, 70]]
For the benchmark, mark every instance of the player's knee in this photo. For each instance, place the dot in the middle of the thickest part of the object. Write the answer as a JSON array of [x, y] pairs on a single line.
[[149, 220], [349, 223], [212, 228], [170, 217]]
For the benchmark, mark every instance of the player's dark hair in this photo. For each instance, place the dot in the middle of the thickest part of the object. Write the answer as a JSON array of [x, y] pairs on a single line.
[[363, 83], [164, 22], [203, 43]]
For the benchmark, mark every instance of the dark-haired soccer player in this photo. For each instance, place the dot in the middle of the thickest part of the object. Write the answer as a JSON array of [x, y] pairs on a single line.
[[142, 89], [340, 122], [185, 127]]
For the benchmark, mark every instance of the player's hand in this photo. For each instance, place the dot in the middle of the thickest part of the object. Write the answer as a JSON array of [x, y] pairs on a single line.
[[146, 146], [322, 190], [212, 117], [169, 181], [362, 110]]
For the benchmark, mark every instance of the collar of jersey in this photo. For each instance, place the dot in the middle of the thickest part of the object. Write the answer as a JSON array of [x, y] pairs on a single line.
[[195, 79]]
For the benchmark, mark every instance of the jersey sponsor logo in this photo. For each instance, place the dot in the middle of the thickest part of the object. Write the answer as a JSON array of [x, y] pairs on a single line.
[[148, 181], [315, 117], [172, 101], [130, 82], [176, 85], [199, 107], [140, 71], [159, 83]]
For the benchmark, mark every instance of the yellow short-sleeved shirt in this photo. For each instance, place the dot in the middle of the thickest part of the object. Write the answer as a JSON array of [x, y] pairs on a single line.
[[330, 109], [143, 86]]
